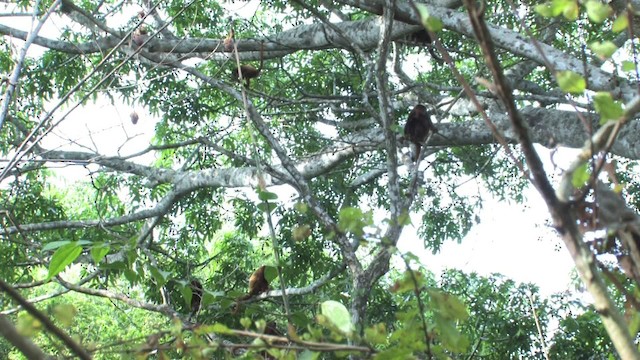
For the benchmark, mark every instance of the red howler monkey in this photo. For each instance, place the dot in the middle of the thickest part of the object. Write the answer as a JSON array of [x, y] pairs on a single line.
[[249, 71], [196, 297], [257, 284], [418, 127]]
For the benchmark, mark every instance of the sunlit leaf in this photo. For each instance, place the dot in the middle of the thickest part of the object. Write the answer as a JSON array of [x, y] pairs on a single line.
[[448, 305], [98, 252], [376, 334], [580, 176], [608, 108], [430, 22], [553, 8], [64, 313], [571, 10], [353, 220], [338, 315], [300, 233], [27, 325], [597, 11], [571, 82], [63, 257], [628, 66], [621, 22], [603, 49]]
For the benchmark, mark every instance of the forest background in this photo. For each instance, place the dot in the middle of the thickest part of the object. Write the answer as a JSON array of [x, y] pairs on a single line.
[[197, 180]]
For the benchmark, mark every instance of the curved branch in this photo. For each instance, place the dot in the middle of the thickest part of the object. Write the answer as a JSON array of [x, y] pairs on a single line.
[[163, 309]]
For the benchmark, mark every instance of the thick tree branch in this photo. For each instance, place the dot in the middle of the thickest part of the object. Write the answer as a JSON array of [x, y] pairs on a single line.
[[22, 343], [508, 40]]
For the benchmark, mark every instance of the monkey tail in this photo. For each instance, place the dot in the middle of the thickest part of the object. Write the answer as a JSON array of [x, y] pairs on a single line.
[[417, 154]]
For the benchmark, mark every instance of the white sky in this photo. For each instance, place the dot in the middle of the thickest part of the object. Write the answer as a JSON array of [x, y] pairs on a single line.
[[511, 239]]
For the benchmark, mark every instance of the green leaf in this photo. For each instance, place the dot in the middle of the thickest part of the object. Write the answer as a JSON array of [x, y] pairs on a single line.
[[597, 11], [131, 275], [353, 220], [270, 273], [300, 233], [608, 108], [301, 207], [98, 252], [245, 322], [451, 337], [580, 176], [546, 10], [338, 315], [187, 293], [55, 244], [433, 24], [267, 195], [407, 283], [621, 22], [216, 328], [267, 207], [62, 258], [448, 305], [376, 334], [628, 66], [553, 8], [162, 277], [429, 22], [571, 82], [27, 325], [65, 313], [603, 49], [571, 10]]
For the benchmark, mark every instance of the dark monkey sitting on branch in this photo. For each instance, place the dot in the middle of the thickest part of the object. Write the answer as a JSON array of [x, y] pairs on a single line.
[[196, 297], [418, 127]]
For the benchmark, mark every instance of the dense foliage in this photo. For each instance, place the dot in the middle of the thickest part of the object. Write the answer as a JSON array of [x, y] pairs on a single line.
[[141, 186]]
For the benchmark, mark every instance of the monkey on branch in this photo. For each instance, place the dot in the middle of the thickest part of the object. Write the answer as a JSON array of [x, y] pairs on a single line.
[[247, 71], [258, 284], [418, 127], [196, 297]]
